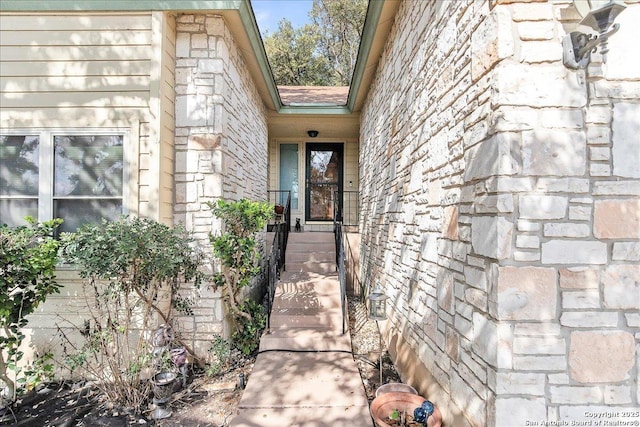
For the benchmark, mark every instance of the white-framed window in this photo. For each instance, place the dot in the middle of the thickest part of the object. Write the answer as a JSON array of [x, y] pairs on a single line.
[[78, 176]]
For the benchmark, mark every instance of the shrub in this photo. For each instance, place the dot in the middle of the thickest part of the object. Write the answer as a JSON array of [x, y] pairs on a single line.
[[134, 270], [28, 256], [237, 251]]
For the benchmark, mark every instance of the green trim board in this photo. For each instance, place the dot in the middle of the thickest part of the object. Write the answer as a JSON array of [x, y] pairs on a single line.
[[374, 10]]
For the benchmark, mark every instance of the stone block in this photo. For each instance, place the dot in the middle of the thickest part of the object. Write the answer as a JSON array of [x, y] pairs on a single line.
[[599, 154], [562, 118], [589, 319], [626, 251], [581, 299], [579, 278], [575, 395], [199, 41], [183, 45], [537, 51], [553, 152], [540, 363], [621, 286], [566, 230], [450, 223], [520, 383], [524, 241], [546, 329], [191, 110], [539, 85], [501, 203], [543, 207], [616, 188], [563, 185], [518, 411], [626, 139], [210, 66], [617, 395], [574, 252], [485, 338], [537, 346], [580, 213], [527, 293], [617, 219], [601, 356], [491, 236], [536, 30], [532, 11], [498, 155], [491, 42]]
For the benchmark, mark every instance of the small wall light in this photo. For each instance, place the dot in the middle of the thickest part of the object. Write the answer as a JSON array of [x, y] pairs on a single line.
[[312, 133], [577, 46], [378, 311]]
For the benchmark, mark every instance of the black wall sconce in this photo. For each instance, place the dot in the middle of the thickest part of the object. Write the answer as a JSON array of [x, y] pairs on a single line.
[[312, 133], [577, 47]]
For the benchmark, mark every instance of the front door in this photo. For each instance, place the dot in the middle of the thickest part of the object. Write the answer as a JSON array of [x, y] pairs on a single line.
[[324, 178]]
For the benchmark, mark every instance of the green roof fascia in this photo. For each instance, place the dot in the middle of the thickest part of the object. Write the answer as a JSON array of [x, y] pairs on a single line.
[[116, 5], [374, 10], [315, 110]]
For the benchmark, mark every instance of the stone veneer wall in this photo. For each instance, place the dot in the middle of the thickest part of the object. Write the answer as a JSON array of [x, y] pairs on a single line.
[[501, 202], [221, 142]]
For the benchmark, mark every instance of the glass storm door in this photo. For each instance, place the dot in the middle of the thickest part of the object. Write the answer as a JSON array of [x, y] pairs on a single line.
[[324, 177]]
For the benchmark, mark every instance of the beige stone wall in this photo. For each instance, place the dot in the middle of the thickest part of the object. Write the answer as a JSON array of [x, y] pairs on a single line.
[[220, 144], [501, 210]]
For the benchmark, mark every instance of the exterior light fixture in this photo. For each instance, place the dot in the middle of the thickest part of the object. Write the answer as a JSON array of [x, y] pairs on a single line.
[[312, 133], [377, 312], [377, 304], [599, 15]]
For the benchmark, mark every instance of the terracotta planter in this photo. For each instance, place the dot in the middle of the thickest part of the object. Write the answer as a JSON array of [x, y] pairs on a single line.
[[383, 405], [279, 209], [395, 388]]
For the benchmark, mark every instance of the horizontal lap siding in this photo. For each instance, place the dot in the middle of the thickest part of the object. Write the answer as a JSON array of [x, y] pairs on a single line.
[[75, 70]]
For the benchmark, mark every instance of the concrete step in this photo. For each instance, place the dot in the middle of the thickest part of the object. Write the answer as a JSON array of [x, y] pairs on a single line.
[[319, 247], [312, 267], [311, 237], [305, 339], [304, 380], [345, 415], [308, 303], [331, 319], [294, 257]]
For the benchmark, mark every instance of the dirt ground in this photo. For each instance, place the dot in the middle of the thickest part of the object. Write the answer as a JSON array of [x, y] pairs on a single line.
[[205, 402]]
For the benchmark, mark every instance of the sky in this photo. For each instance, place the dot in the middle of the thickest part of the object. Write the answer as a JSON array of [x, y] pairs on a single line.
[[269, 12]]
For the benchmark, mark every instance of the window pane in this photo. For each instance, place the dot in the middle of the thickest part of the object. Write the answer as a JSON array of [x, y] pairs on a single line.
[[18, 165], [289, 173], [78, 212], [12, 212], [88, 165]]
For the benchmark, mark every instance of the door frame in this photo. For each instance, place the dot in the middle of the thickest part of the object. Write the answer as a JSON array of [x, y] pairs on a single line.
[[321, 146]]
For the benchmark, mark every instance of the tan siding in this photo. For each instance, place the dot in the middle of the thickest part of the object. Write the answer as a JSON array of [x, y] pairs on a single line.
[[75, 70]]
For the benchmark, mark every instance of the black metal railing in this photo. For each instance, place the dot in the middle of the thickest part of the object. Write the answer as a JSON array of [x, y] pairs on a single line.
[[280, 226], [340, 266], [346, 208]]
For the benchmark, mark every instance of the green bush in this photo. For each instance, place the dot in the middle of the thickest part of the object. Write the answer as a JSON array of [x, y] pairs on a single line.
[[28, 256], [237, 251], [247, 337], [134, 269]]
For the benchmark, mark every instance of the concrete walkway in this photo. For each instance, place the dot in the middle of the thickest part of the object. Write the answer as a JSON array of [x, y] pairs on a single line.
[[305, 374]]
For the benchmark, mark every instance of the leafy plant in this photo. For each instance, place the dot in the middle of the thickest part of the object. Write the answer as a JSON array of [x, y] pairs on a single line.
[[247, 338], [236, 248], [220, 351], [28, 255], [40, 371], [134, 269]]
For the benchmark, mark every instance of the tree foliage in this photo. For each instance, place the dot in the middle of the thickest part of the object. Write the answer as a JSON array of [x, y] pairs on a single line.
[[322, 53], [28, 257]]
